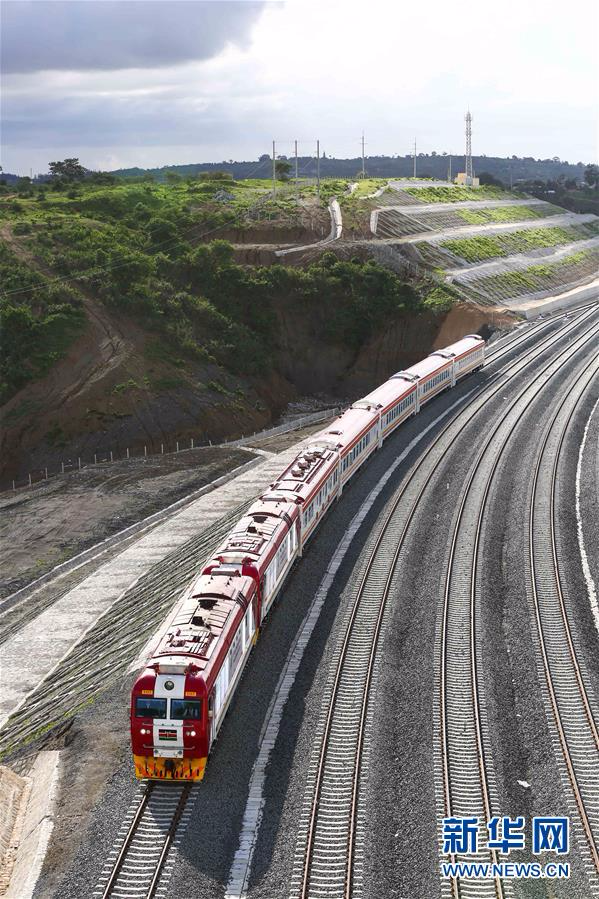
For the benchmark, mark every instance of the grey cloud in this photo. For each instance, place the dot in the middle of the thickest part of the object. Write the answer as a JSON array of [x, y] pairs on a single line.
[[108, 122], [100, 34]]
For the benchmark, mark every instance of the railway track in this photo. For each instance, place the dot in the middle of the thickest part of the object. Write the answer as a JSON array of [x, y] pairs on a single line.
[[464, 771], [107, 649], [571, 704], [330, 846], [83, 674], [138, 866]]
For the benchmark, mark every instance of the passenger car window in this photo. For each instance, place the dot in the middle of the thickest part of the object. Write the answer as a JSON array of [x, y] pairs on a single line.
[[186, 708], [150, 708]]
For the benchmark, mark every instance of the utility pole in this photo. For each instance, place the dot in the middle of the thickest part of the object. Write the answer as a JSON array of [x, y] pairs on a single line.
[[363, 165], [274, 171], [296, 175], [414, 157], [318, 167], [449, 174]]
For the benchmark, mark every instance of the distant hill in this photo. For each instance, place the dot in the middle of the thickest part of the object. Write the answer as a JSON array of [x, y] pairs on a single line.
[[434, 166]]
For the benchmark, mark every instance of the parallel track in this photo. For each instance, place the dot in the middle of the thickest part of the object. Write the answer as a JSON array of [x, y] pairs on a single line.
[[134, 870], [324, 863], [467, 782], [569, 698], [109, 647]]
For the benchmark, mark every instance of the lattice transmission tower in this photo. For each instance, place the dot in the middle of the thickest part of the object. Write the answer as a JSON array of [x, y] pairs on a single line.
[[469, 171]]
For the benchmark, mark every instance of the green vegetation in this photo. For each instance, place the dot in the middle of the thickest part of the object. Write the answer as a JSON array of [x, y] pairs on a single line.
[[140, 248], [441, 298], [506, 214], [477, 249], [457, 194], [535, 278], [367, 186], [39, 320]]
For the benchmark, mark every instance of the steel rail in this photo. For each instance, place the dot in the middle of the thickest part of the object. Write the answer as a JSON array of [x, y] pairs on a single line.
[[569, 352], [169, 841], [570, 656], [112, 630], [305, 880], [120, 882], [127, 841]]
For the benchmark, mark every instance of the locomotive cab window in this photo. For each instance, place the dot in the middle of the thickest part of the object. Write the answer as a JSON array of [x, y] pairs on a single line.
[[146, 707], [186, 708]]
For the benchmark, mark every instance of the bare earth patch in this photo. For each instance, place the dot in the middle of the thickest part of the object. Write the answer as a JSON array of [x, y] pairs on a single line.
[[43, 526]]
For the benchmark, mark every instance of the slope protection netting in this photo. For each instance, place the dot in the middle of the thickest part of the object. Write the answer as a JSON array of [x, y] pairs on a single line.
[[555, 276], [482, 247], [396, 198], [455, 194], [398, 222]]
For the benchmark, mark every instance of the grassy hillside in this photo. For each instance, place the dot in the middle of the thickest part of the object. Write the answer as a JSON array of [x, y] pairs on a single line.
[[126, 316], [142, 249]]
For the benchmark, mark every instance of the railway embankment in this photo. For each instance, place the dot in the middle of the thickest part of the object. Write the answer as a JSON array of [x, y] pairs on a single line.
[[27, 815]]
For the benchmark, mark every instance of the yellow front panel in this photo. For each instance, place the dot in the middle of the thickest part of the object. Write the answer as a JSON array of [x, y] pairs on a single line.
[[169, 769]]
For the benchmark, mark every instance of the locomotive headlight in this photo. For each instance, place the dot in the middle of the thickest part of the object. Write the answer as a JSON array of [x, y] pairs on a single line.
[[143, 731], [192, 733]]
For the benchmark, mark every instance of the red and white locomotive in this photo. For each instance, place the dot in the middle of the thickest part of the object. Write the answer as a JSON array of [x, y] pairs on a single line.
[[179, 701]]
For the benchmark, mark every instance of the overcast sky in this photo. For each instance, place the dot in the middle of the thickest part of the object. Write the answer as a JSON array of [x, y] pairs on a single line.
[[147, 82]]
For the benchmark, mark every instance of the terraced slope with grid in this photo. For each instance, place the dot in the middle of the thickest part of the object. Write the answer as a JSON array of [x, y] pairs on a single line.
[[402, 222], [555, 277]]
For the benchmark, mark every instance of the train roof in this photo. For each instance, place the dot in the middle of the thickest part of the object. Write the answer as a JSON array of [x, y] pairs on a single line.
[[307, 471], [202, 617], [275, 505], [348, 426], [470, 342], [428, 366], [390, 392]]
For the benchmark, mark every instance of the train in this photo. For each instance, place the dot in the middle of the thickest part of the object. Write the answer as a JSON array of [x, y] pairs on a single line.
[[180, 699]]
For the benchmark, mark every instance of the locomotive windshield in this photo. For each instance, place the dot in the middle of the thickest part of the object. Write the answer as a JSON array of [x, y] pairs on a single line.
[[186, 708], [150, 708]]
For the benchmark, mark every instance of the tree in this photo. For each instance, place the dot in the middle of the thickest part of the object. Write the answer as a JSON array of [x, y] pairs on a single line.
[[216, 175], [282, 169], [485, 178], [68, 170], [103, 178], [591, 175], [173, 177]]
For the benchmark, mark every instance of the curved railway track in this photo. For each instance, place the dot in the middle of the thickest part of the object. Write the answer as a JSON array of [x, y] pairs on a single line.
[[468, 788], [138, 867], [329, 844], [568, 693], [80, 679], [107, 649]]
